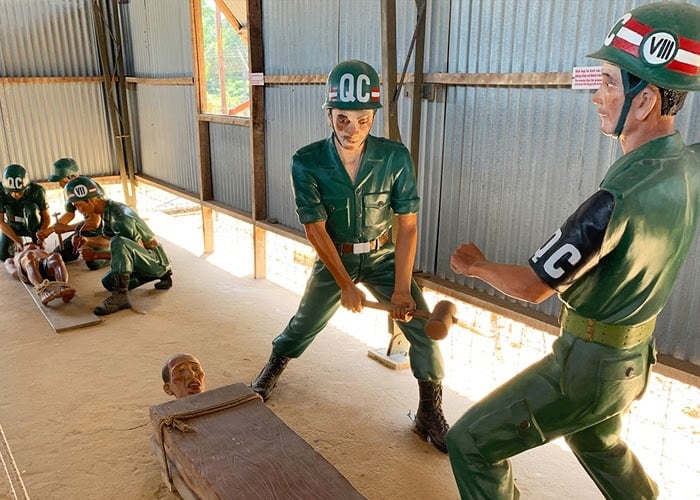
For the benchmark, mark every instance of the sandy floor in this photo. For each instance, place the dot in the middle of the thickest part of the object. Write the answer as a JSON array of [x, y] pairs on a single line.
[[74, 406]]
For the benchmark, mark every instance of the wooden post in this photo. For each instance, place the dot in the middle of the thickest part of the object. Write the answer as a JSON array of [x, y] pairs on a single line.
[[391, 123], [115, 94], [257, 133], [206, 189], [416, 109]]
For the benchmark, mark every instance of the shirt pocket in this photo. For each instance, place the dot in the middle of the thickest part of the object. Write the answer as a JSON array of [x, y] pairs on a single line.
[[377, 208], [338, 212]]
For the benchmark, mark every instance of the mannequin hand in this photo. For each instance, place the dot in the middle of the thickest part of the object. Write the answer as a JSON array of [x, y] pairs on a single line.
[[404, 305], [351, 298], [464, 257]]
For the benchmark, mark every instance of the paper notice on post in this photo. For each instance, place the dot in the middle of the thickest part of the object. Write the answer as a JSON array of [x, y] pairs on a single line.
[[586, 77]]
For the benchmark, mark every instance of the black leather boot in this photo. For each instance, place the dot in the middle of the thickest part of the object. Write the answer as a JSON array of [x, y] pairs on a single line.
[[166, 281], [430, 423], [118, 300], [267, 378]]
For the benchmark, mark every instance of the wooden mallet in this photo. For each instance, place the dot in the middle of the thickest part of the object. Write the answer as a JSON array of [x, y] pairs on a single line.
[[438, 322]]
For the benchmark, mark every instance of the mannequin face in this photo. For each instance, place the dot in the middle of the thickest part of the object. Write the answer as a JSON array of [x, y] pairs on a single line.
[[187, 376], [88, 207], [609, 98], [351, 127]]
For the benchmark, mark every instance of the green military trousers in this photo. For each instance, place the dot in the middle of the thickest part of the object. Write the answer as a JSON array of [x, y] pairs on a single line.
[[141, 264], [321, 300], [579, 391]]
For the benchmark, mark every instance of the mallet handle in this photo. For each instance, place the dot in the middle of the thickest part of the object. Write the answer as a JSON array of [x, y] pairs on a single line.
[[388, 308]]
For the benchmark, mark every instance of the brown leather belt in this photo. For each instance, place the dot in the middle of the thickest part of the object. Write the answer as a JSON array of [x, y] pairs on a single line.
[[618, 336], [363, 247]]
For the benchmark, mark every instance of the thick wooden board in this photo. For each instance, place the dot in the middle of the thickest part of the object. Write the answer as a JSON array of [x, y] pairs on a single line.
[[64, 316], [244, 452]]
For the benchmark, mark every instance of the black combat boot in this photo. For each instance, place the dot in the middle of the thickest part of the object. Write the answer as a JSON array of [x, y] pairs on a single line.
[[267, 378], [166, 281], [119, 299], [430, 423]]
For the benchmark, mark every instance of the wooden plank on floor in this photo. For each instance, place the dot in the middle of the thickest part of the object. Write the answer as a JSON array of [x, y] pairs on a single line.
[[237, 448], [64, 316]]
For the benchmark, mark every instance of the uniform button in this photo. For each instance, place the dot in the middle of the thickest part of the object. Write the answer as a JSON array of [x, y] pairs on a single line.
[[525, 425], [629, 371]]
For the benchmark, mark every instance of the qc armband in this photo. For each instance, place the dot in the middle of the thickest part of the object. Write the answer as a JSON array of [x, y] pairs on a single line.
[[575, 247]]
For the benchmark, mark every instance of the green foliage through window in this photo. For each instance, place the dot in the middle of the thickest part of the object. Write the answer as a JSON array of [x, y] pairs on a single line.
[[225, 64]]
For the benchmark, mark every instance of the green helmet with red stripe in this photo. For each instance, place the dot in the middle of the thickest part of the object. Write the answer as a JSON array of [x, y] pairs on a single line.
[[659, 43], [354, 85], [82, 189]]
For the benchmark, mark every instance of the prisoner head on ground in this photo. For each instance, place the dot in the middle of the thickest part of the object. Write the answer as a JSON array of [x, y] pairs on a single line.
[[183, 376]]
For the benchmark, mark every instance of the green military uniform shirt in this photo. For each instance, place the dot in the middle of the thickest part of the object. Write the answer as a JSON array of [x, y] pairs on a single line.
[[657, 202], [359, 211]]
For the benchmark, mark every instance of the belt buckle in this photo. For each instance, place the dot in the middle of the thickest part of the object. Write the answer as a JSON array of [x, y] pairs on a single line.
[[363, 247]]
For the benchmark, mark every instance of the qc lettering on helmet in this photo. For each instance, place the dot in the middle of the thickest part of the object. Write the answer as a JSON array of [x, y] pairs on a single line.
[[352, 89], [14, 182]]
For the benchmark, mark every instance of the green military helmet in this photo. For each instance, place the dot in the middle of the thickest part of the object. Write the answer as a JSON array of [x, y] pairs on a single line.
[[15, 178], [659, 43], [82, 189], [354, 85], [62, 168]]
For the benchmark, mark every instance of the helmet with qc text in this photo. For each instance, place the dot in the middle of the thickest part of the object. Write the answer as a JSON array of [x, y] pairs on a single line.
[[353, 85], [15, 178], [82, 189], [659, 43], [62, 168]]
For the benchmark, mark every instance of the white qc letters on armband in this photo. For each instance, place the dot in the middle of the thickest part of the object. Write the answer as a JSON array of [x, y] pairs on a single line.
[[566, 252]]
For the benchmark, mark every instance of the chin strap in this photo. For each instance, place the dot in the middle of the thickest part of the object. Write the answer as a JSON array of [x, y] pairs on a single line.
[[630, 94]]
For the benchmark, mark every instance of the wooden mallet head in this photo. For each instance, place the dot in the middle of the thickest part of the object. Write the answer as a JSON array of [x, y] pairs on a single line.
[[441, 319]]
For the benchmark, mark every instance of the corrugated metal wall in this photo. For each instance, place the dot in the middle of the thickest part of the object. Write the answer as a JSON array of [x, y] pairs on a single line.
[[42, 120], [230, 164], [158, 44]]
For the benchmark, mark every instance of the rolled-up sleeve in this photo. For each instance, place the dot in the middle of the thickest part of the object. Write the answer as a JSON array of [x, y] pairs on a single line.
[[306, 193], [404, 195]]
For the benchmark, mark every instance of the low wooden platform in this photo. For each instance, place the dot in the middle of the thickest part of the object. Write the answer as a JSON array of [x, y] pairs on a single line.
[[64, 316], [237, 448]]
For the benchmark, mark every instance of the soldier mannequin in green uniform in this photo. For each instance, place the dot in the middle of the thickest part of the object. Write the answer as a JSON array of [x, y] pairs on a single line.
[[136, 256], [23, 210], [65, 169], [613, 264], [346, 189]]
